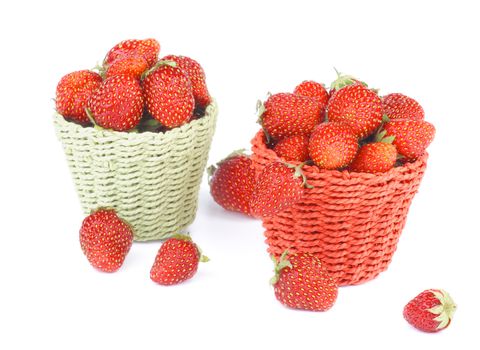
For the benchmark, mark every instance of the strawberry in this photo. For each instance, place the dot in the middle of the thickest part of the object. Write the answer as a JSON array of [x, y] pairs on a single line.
[[105, 239], [358, 106], [301, 281], [168, 94], [279, 186], [148, 48], [376, 157], [332, 145], [412, 137], [118, 103], [293, 148], [398, 106], [342, 81], [127, 65], [195, 73], [232, 181], [286, 114], [73, 92], [176, 261], [430, 311], [313, 90]]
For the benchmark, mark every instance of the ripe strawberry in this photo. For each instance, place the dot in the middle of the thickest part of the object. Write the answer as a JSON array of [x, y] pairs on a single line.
[[412, 137], [314, 90], [398, 106], [332, 145], [302, 282], [195, 73], [279, 186], [232, 181], [148, 48], [105, 239], [358, 106], [293, 148], [127, 65], [169, 96], [288, 114], [430, 311], [118, 103], [73, 92], [176, 261], [377, 157]]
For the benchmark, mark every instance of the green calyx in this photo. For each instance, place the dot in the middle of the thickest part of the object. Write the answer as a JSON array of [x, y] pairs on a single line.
[[260, 112], [444, 310], [157, 65], [101, 69], [380, 136], [299, 173], [282, 263], [342, 81]]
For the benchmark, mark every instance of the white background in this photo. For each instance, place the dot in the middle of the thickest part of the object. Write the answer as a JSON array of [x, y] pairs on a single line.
[[51, 298]]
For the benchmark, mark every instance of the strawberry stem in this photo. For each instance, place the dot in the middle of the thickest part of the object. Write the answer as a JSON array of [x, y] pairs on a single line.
[[298, 172], [282, 263], [157, 65]]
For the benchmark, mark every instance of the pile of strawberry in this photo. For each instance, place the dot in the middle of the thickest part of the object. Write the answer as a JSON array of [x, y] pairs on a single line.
[[135, 91], [348, 128]]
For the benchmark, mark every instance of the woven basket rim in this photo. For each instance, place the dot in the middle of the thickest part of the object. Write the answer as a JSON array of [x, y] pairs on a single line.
[[315, 171], [210, 112]]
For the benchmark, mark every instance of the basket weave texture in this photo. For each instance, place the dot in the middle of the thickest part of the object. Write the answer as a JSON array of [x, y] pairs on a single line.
[[151, 179], [351, 221]]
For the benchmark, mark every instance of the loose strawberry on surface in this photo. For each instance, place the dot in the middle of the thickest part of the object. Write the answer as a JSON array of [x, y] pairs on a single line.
[[168, 94], [118, 103], [73, 92], [302, 282], [232, 181], [398, 106], [176, 261], [430, 311], [333, 145], [194, 71], [278, 187], [287, 114], [105, 239]]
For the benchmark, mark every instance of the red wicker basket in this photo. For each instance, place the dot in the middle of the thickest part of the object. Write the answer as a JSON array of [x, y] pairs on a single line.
[[351, 221]]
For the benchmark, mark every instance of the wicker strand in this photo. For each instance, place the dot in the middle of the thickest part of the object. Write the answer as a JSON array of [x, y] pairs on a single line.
[[151, 179], [351, 221]]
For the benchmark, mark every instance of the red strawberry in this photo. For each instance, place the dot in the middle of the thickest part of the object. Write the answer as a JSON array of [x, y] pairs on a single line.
[[176, 261], [148, 48], [128, 65], [293, 148], [105, 239], [314, 90], [287, 114], [430, 311], [279, 186], [73, 92], [358, 106], [398, 106], [412, 137], [232, 182], [118, 103], [169, 96], [332, 145], [301, 281], [377, 157], [195, 73]]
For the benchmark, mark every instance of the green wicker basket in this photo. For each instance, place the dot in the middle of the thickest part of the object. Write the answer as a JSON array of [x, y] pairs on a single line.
[[151, 179]]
